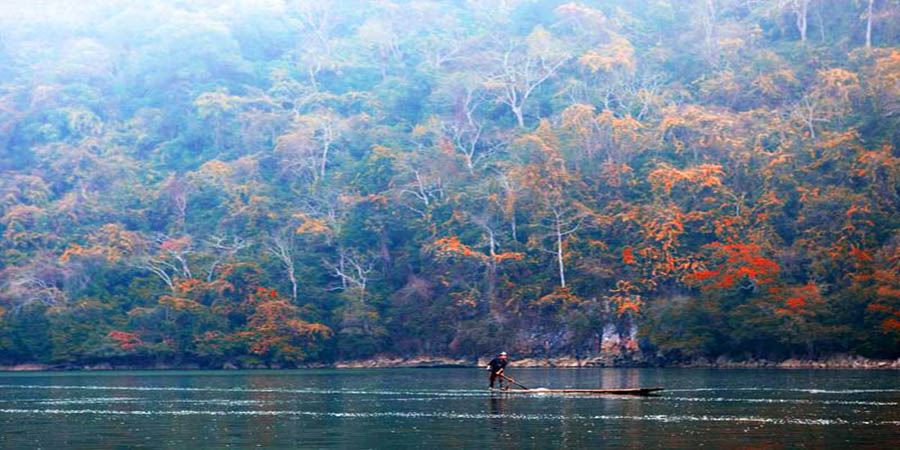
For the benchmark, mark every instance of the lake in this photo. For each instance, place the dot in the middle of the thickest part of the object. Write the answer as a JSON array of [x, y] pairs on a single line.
[[410, 408]]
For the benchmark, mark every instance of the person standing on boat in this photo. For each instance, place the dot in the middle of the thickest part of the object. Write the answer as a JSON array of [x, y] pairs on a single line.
[[496, 367]]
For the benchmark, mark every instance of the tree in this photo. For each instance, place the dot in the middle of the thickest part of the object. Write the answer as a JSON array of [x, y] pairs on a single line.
[[319, 21], [869, 18], [523, 67], [281, 246], [275, 330], [306, 148]]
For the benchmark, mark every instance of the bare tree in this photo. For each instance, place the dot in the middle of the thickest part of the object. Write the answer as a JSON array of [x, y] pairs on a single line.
[[808, 111], [354, 269], [167, 258], [224, 249], [468, 141], [423, 190], [522, 68], [562, 221], [38, 282], [318, 22], [281, 246]]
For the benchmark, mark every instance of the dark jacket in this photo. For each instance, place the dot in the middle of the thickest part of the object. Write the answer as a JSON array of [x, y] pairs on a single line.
[[497, 364]]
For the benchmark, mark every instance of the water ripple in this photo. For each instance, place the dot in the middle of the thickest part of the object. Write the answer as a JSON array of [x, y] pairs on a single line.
[[462, 416]]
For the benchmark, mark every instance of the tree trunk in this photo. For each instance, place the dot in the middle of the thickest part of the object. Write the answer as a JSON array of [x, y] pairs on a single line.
[[293, 279], [520, 118], [559, 255], [869, 24], [709, 20], [801, 9], [324, 158]]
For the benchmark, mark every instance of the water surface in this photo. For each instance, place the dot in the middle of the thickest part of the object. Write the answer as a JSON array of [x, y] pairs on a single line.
[[408, 408]]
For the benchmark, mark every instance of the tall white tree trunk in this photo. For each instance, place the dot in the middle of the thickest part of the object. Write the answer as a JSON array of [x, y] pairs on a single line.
[[869, 24], [559, 252], [801, 12], [281, 248]]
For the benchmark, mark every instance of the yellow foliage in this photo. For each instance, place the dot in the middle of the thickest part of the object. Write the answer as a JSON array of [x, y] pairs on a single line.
[[583, 15], [214, 103], [775, 82], [617, 54], [380, 151], [180, 304], [111, 242], [311, 225], [215, 169]]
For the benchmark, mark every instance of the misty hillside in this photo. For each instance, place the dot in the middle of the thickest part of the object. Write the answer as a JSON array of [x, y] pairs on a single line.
[[274, 183]]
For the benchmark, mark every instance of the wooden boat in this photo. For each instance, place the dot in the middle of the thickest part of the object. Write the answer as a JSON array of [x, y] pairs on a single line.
[[623, 391]]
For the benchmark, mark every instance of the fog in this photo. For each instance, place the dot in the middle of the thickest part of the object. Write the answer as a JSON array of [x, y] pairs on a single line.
[[280, 183]]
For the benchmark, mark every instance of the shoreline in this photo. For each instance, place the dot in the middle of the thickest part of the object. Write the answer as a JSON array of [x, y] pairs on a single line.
[[384, 362]]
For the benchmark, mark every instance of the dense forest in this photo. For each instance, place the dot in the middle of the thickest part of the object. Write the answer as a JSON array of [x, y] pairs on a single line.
[[274, 183]]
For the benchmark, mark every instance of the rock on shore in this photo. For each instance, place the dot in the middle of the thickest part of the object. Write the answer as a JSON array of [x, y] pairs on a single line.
[[620, 360], [417, 361]]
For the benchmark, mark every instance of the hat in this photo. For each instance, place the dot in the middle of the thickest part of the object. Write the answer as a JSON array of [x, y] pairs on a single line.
[[503, 354]]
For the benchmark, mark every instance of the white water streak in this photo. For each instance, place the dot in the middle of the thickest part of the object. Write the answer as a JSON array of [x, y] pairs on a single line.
[[806, 391], [460, 393], [782, 400], [459, 416]]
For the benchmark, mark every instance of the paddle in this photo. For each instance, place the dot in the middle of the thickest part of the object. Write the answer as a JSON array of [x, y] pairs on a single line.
[[514, 382]]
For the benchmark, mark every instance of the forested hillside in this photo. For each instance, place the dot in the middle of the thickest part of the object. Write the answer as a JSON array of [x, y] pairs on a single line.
[[283, 182]]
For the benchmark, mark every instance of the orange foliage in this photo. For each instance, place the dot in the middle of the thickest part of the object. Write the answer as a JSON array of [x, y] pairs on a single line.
[[274, 326], [861, 255], [795, 303], [703, 275], [890, 325], [452, 245], [742, 261], [311, 225], [705, 175], [624, 297], [857, 209], [73, 250], [126, 341], [515, 256], [880, 308], [598, 243], [887, 291], [628, 305], [800, 300], [180, 304], [188, 285], [559, 296], [628, 256], [175, 244]]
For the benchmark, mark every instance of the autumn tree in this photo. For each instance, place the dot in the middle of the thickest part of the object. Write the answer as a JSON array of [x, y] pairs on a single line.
[[522, 67]]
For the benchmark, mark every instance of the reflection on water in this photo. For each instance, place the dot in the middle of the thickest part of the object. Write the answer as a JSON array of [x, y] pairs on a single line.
[[447, 407]]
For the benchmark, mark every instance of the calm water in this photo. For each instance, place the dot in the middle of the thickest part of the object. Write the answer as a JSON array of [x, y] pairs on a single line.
[[409, 408]]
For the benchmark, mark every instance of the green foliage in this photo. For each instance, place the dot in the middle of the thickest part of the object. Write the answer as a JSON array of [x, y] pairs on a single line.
[[276, 183]]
